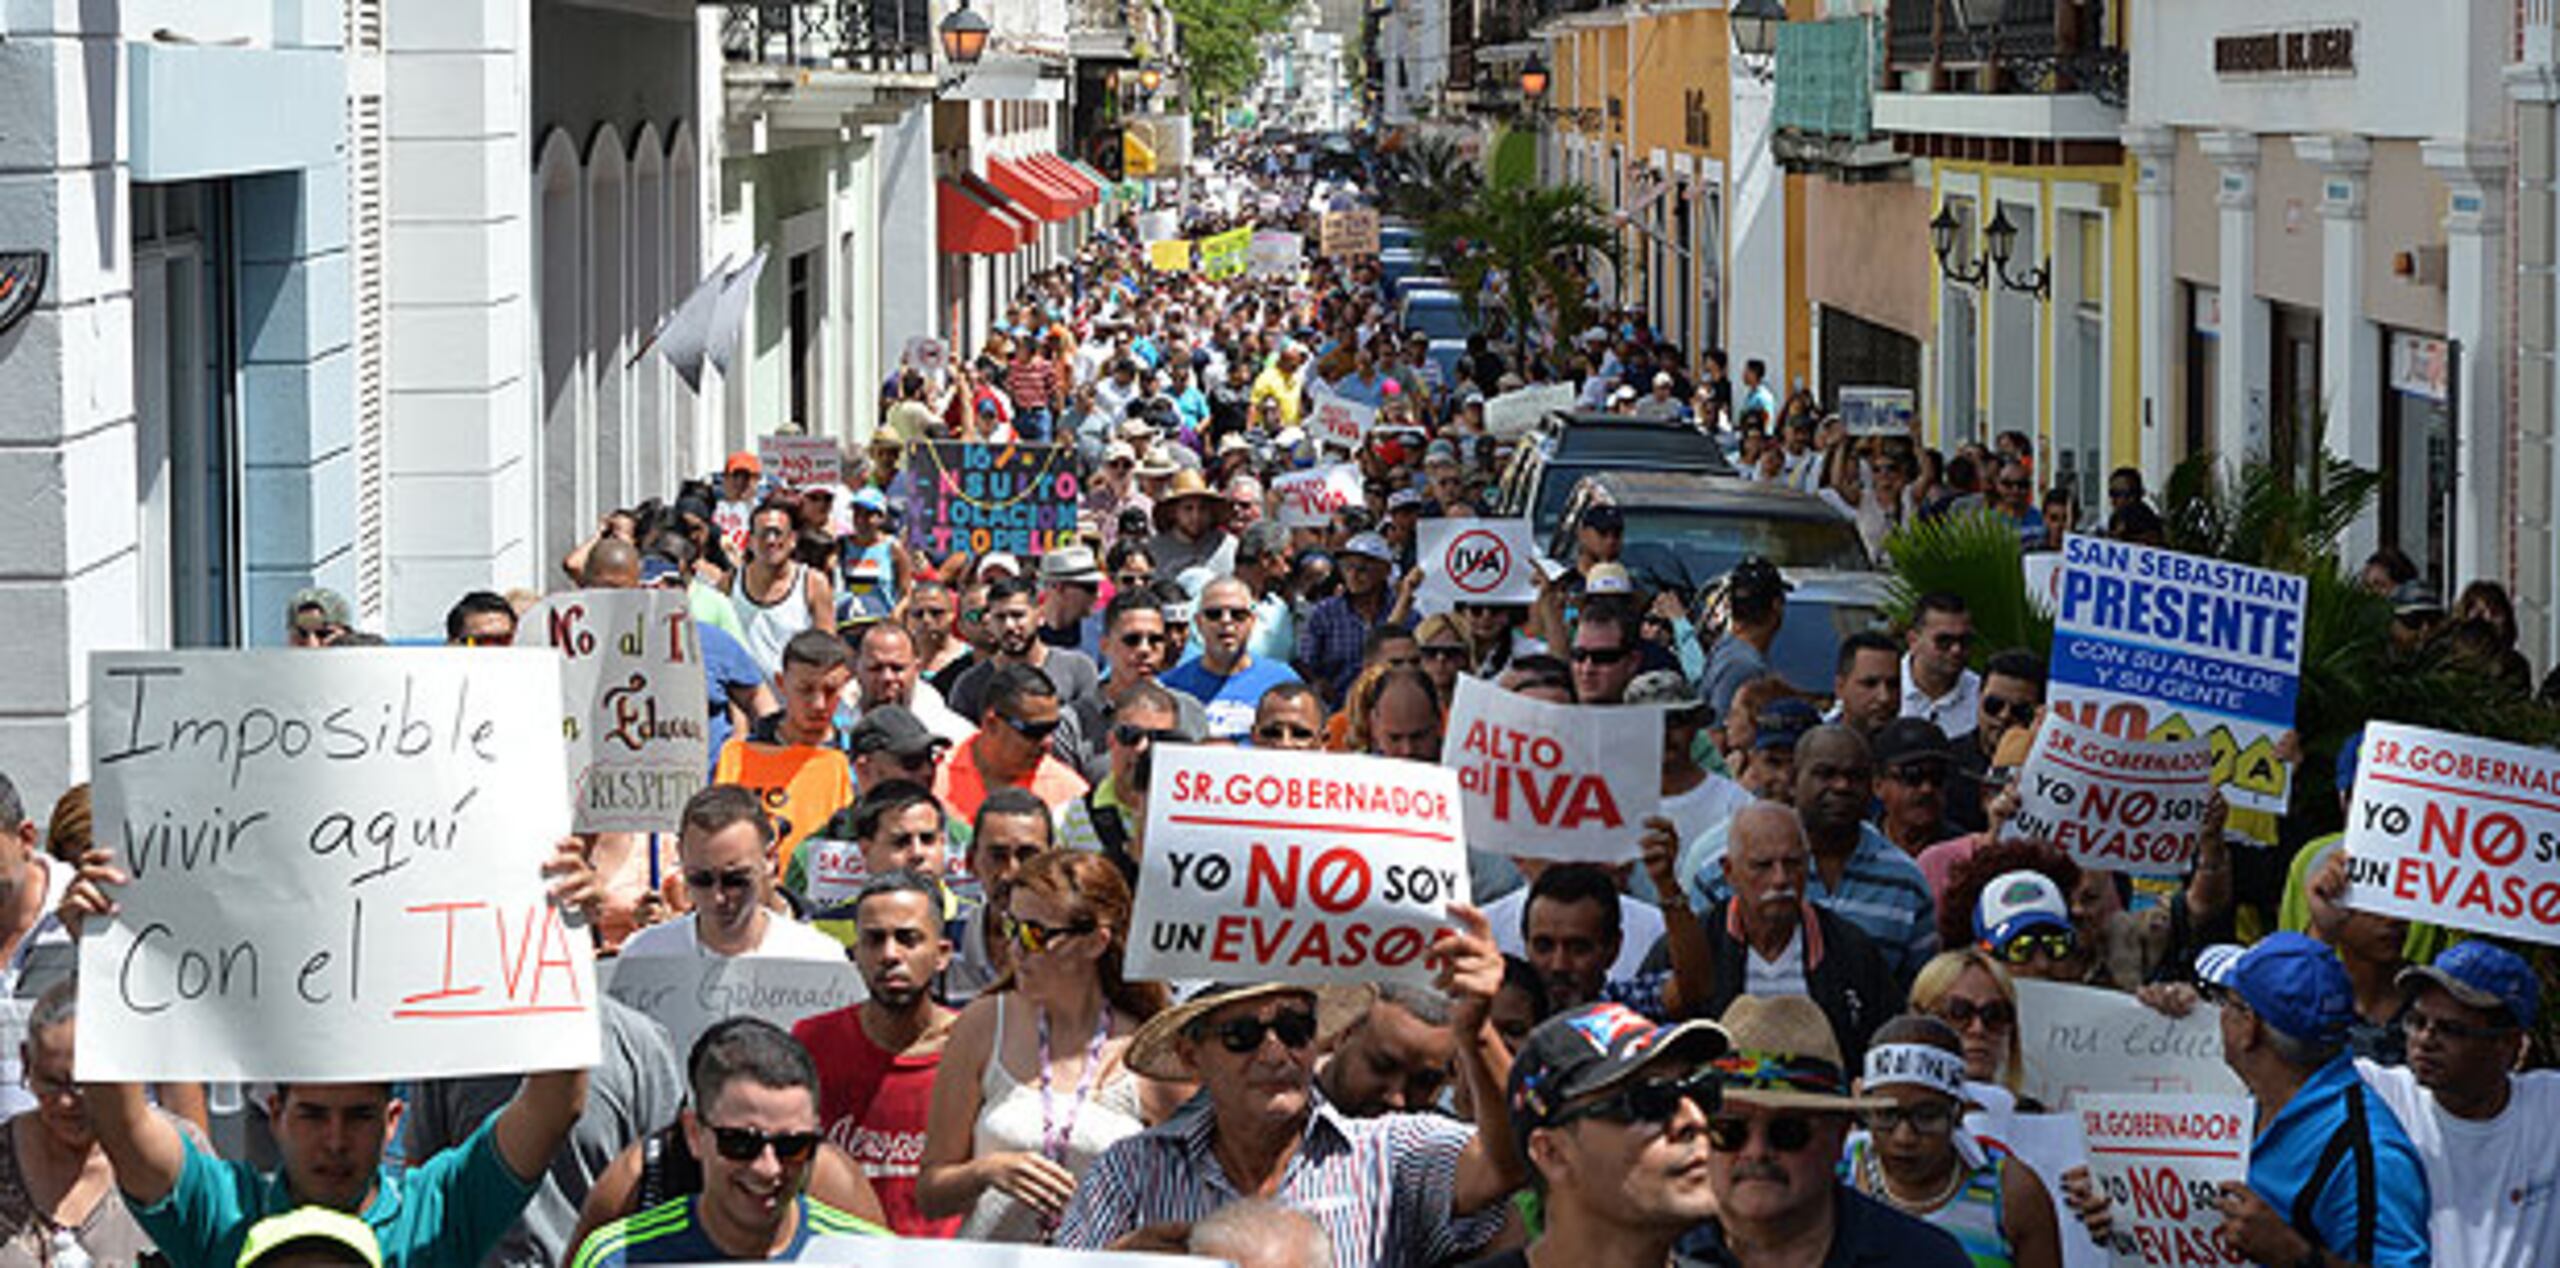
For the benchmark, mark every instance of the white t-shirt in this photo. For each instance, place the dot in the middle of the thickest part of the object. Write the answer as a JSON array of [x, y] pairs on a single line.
[[1781, 976], [784, 939], [1708, 805], [1639, 927], [2495, 1185]]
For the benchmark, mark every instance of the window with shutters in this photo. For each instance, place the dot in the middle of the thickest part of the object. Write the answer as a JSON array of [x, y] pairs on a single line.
[[366, 231]]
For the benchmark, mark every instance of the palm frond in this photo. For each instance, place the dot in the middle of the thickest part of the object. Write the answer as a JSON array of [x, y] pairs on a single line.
[[1976, 555]]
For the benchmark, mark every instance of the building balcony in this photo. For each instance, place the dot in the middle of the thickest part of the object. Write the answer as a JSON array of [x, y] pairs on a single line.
[[2053, 47], [873, 36], [1824, 114]]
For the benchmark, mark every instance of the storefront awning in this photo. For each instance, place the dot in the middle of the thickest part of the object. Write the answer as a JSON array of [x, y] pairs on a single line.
[[1088, 171], [972, 225], [1087, 193], [1035, 189], [1026, 227]]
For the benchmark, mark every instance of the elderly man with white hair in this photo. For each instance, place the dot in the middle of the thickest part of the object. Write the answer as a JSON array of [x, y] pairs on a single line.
[[1258, 1233]]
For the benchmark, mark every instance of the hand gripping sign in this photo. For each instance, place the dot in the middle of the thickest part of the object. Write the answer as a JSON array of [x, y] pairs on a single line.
[[2162, 1161], [1553, 781], [632, 707], [1475, 561], [336, 865], [1294, 867], [2456, 831], [2125, 805]]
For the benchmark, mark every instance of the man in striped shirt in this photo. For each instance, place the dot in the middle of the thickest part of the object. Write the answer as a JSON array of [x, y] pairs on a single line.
[[1391, 1191]]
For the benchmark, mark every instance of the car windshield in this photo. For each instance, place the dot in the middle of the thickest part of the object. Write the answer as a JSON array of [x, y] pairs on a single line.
[[1686, 549], [1440, 321]]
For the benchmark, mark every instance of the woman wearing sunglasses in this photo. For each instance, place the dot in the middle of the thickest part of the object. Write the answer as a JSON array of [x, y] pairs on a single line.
[[1973, 994], [1916, 1156], [1033, 1087]]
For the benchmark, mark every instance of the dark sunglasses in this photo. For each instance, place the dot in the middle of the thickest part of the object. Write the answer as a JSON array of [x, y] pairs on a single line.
[[1995, 707], [746, 1144], [1029, 730], [1243, 1035], [1034, 937], [1652, 1101], [1131, 734], [2055, 946], [1787, 1133], [740, 879], [1599, 655], [1224, 615], [1137, 638], [1950, 642], [1919, 774], [1444, 651], [1274, 732], [1999, 1014], [1928, 1120]]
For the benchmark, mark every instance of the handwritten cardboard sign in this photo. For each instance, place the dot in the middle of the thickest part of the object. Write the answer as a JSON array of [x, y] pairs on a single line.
[[632, 706], [799, 462], [2162, 1160], [985, 498], [686, 994], [1352, 231], [336, 863], [1223, 255], [1553, 781], [2077, 1040], [1877, 411], [2129, 806], [1308, 499], [1475, 561], [2160, 645], [1338, 420], [2456, 831], [1514, 413], [1275, 253], [1295, 867]]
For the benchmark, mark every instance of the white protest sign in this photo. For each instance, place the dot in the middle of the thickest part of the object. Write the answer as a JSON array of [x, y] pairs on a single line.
[[1308, 499], [1877, 411], [1512, 414], [2051, 1144], [2129, 806], [1553, 781], [632, 704], [1294, 867], [800, 462], [921, 1252], [1157, 226], [2076, 1040], [2044, 580], [2456, 831], [926, 354], [1275, 253], [836, 871], [2162, 1161], [1339, 420], [1475, 561], [337, 868], [686, 994], [2157, 644]]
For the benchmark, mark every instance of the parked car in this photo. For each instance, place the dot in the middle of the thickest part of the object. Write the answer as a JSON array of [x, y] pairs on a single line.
[[1439, 314], [1568, 445], [1685, 532]]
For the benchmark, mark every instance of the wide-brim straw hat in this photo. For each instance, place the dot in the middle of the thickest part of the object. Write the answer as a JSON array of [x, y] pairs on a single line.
[[1784, 1056], [1153, 1052], [1189, 483]]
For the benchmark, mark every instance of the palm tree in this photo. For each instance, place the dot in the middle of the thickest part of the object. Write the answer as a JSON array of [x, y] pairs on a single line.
[[1425, 175], [1533, 237]]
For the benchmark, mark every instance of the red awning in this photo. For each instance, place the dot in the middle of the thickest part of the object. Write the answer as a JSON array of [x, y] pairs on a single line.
[[1026, 227], [1086, 192], [970, 225], [1032, 187]]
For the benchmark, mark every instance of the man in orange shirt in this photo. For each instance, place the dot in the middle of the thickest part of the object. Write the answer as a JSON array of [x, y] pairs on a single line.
[[1011, 746], [791, 759]]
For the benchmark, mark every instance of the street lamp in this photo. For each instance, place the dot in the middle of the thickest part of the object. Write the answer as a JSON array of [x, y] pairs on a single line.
[[2001, 240], [1150, 79], [1755, 26], [1533, 78], [1945, 235], [964, 36]]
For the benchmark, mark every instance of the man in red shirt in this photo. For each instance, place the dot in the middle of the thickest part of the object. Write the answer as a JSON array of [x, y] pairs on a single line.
[[876, 1060]]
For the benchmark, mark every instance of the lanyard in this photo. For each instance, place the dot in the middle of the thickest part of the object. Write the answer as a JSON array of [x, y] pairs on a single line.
[[1054, 1136]]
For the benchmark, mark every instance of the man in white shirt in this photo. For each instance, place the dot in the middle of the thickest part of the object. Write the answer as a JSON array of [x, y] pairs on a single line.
[[1936, 684], [888, 669], [726, 851], [2483, 1130]]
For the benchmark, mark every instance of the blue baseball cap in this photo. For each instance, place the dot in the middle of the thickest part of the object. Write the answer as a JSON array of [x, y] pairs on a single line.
[[2291, 981], [2015, 902], [1782, 723], [2481, 975]]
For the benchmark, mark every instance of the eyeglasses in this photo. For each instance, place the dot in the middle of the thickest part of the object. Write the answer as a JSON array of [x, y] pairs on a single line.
[[1950, 642], [2054, 946], [1275, 732], [1999, 1014], [1918, 774], [1243, 1035], [1132, 580], [1132, 734], [1444, 651], [1997, 707], [2412, 1023], [1927, 1120], [739, 879], [1652, 1101], [746, 1144], [772, 534], [1224, 615], [1029, 730], [1599, 655], [1034, 937], [1786, 1133], [1138, 638]]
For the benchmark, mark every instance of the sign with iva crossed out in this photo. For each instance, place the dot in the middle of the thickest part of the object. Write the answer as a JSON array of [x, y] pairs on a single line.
[[1475, 561]]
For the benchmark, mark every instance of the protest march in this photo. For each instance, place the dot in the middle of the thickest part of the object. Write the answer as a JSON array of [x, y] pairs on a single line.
[[1219, 772]]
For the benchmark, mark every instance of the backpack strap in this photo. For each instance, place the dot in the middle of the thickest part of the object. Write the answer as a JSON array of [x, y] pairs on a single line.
[[2351, 1139]]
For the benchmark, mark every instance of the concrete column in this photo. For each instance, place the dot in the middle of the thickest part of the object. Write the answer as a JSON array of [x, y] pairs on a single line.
[[2240, 394], [2534, 84], [2161, 329], [2350, 347], [2475, 228]]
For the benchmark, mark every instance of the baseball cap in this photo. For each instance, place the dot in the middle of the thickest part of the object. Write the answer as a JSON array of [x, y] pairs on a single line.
[[315, 608], [1118, 451], [1371, 546], [744, 460], [1755, 578], [1594, 1048], [1907, 740], [1665, 686], [1608, 578], [1624, 393], [892, 729], [312, 1227], [2415, 598], [656, 569], [2015, 902], [1603, 517], [2291, 981], [1782, 723], [869, 498], [1404, 500], [1000, 561], [2481, 975]]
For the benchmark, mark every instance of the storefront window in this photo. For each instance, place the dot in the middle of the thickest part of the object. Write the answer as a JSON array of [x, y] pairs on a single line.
[[2204, 348], [2417, 449]]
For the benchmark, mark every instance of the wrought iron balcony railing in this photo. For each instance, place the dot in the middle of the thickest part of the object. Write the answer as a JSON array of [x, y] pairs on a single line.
[[880, 36]]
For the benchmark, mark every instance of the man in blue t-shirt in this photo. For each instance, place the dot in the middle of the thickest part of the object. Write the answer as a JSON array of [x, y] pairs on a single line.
[[1225, 678], [450, 1209]]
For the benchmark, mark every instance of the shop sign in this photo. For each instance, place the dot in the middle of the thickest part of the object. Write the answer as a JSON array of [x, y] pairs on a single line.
[[2422, 366], [2316, 50]]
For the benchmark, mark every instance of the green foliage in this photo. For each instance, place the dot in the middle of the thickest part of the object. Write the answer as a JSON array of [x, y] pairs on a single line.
[[1530, 235], [1220, 44], [1976, 555], [1425, 176]]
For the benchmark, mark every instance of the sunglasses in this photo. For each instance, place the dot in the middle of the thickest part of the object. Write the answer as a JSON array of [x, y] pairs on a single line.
[[1999, 1014], [1034, 937], [1918, 774], [740, 880], [1995, 707], [1224, 615], [1444, 651], [1131, 734], [1243, 1035], [746, 1144], [1139, 639], [1029, 730], [1786, 1133], [1652, 1101], [1599, 655], [1950, 642], [1132, 580], [1927, 1120], [2055, 946], [1275, 732]]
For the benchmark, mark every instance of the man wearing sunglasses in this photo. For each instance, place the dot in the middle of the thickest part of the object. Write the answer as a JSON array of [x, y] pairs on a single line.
[[1139, 646], [1112, 817], [1774, 1149], [1605, 652], [1612, 1111], [2012, 692], [754, 1127], [1020, 715], [726, 853], [1226, 678], [1913, 767], [1937, 684]]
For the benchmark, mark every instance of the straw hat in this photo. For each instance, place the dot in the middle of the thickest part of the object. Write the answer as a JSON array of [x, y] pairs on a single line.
[[1189, 483], [1784, 1057], [1152, 1051]]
